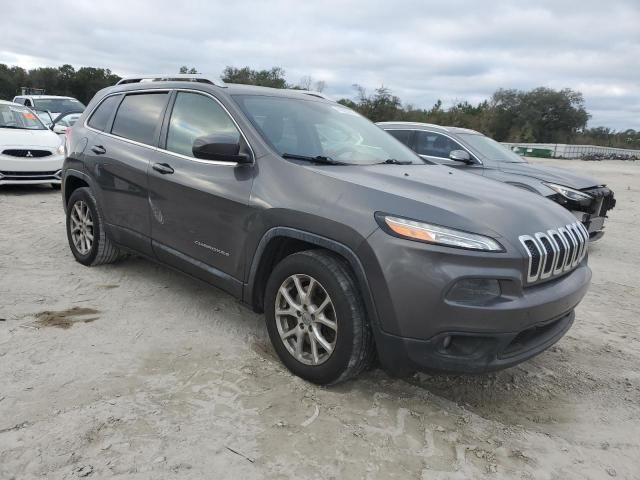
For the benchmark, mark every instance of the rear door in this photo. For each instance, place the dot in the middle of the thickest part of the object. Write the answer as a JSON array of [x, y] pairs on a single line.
[[199, 208], [121, 155]]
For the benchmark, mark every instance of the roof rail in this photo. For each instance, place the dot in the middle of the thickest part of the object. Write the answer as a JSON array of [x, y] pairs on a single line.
[[170, 77], [311, 93], [420, 124]]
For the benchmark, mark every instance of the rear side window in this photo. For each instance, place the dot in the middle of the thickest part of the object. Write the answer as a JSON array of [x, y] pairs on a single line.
[[403, 135], [102, 114], [194, 116], [139, 116]]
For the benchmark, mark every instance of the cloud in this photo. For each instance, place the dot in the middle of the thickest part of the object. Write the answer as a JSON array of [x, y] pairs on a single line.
[[422, 50]]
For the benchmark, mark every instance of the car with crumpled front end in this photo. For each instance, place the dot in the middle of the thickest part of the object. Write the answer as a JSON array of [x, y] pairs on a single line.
[[586, 197]]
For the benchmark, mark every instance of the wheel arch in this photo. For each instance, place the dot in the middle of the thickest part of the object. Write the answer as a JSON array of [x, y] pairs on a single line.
[[279, 242], [72, 180]]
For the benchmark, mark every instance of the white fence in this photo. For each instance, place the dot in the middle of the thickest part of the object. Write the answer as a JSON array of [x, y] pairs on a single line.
[[563, 150]]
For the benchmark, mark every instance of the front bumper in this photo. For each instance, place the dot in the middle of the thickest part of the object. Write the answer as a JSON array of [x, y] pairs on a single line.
[[31, 171], [468, 352], [419, 328], [591, 213]]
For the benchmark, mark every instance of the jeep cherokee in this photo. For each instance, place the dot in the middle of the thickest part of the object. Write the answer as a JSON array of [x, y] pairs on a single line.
[[349, 242]]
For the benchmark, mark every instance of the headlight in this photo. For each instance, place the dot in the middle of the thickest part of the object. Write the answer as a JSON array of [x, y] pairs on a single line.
[[60, 150], [569, 193], [425, 232]]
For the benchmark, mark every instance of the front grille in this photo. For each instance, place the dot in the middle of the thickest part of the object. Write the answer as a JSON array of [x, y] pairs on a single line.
[[55, 175], [555, 251], [26, 153]]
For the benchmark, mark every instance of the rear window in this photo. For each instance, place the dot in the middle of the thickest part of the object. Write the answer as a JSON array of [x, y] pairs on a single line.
[[103, 113], [139, 116]]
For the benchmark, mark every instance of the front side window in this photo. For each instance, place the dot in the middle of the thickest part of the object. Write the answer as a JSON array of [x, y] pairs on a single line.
[[402, 135], [193, 116], [139, 115], [312, 128], [103, 113], [19, 118], [434, 144]]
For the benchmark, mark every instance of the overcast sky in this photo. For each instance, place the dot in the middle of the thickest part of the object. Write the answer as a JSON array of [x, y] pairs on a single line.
[[422, 50]]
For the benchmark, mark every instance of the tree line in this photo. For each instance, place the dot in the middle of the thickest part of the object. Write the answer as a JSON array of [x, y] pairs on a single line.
[[540, 115]]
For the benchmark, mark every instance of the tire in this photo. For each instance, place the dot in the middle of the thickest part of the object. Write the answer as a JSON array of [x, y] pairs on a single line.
[[56, 186], [352, 343], [101, 250]]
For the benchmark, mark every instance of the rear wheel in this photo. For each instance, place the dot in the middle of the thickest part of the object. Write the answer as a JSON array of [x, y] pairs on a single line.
[[316, 318], [85, 230]]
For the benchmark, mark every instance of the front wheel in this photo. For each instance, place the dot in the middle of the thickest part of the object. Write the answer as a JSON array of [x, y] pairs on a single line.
[[85, 230], [316, 318]]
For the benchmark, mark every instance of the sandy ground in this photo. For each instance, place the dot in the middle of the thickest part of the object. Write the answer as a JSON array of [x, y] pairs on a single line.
[[135, 371]]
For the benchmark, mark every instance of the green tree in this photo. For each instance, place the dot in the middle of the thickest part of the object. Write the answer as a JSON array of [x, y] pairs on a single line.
[[64, 80], [275, 77], [184, 69]]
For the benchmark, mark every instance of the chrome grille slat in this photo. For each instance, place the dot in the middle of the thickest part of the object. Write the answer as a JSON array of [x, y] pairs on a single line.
[[570, 248], [547, 268], [555, 251], [585, 236], [578, 234]]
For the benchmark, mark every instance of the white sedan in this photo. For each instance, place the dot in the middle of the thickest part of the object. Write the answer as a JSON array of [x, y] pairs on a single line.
[[30, 153]]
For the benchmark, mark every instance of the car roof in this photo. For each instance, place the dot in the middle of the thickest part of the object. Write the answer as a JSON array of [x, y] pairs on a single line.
[[427, 126]]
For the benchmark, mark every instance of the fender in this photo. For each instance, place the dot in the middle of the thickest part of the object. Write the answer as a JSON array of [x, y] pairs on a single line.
[[320, 241]]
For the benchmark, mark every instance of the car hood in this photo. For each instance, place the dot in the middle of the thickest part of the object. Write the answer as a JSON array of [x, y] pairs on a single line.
[[447, 197], [556, 175], [12, 138]]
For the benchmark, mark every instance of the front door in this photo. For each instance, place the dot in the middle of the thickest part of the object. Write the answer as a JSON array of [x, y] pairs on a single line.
[[437, 148], [199, 208]]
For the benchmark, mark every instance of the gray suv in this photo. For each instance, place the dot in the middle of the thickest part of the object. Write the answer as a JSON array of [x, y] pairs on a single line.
[[587, 198], [353, 246]]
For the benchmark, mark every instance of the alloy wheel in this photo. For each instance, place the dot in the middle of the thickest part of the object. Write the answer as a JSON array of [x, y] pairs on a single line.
[[306, 319], [81, 227]]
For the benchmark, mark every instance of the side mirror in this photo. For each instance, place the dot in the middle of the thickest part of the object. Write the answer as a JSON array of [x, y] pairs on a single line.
[[220, 147], [460, 156]]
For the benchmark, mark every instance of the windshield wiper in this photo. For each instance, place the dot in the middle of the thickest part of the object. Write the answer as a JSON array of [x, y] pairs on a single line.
[[394, 161], [316, 159]]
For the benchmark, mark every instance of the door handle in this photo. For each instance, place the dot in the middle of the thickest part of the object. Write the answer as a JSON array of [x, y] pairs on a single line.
[[163, 168], [98, 150]]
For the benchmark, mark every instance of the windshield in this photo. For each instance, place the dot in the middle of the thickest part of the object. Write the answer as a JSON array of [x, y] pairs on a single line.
[[309, 128], [15, 116], [58, 105], [489, 148]]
